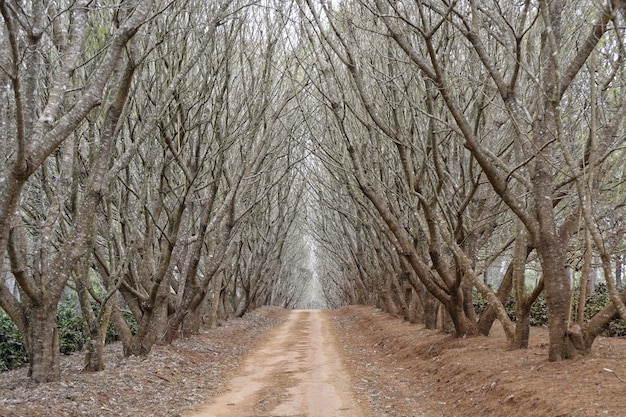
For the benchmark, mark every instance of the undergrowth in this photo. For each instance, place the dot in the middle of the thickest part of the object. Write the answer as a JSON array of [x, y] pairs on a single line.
[[539, 311], [70, 327]]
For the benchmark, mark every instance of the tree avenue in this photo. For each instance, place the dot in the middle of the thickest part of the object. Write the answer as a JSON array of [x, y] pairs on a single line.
[[170, 164]]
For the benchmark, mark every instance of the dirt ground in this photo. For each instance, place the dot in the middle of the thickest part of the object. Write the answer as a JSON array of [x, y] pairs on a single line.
[[356, 361], [169, 382], [296, 372], [405, 370]]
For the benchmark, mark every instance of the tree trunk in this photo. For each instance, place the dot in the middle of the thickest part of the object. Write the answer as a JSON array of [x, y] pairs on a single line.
[[95, 328], [551, 254], [123, 330], [557, 298], [431, 308], [193, 302], [463, 326], [468, 302], [215, 301], [522, 326], [193, 320], [403, 293], [416, 311], [385, 293], [94, 357], [582, 337], [149, 329], [486, 319], [43, 343], [618, 272]]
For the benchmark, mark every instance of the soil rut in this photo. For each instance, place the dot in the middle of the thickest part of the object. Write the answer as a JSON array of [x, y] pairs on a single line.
[[297, 372]]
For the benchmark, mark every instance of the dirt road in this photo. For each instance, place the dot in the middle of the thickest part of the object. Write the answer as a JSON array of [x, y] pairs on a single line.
[[283, 363], [296, 372]]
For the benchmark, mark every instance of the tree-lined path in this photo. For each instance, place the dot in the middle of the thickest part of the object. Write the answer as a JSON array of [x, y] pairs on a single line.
[[169, 165], [296, 372]]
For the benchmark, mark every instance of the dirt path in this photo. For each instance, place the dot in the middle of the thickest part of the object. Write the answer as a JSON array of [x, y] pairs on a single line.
[[356, 361], [297, 372]]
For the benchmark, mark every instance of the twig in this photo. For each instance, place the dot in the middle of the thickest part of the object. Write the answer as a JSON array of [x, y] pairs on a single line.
[[613, 372], [162, 377]]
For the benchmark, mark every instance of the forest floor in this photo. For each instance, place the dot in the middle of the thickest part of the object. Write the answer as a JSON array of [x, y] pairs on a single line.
[[356, 361]]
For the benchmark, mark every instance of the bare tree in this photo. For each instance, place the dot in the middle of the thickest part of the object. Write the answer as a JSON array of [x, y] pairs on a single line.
[[534, 80], [352, 102], [496, 86], [57, 73]]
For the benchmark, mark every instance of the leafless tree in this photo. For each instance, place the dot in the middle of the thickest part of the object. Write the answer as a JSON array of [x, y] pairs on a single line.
[[59, 62], [523, 53]]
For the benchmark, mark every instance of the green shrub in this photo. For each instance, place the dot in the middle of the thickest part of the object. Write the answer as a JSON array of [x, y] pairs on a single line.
[[481, 303], [12, 349], [70, 327], [112, 334], [595, 302], [539, 310]]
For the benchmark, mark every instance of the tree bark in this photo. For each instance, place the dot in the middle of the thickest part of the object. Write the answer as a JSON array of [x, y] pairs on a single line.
[[42, 342]]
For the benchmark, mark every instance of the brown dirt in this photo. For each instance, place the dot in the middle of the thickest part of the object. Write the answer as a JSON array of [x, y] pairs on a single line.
[[354, 362], [296, 372], [405, 370], [169, 382]]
